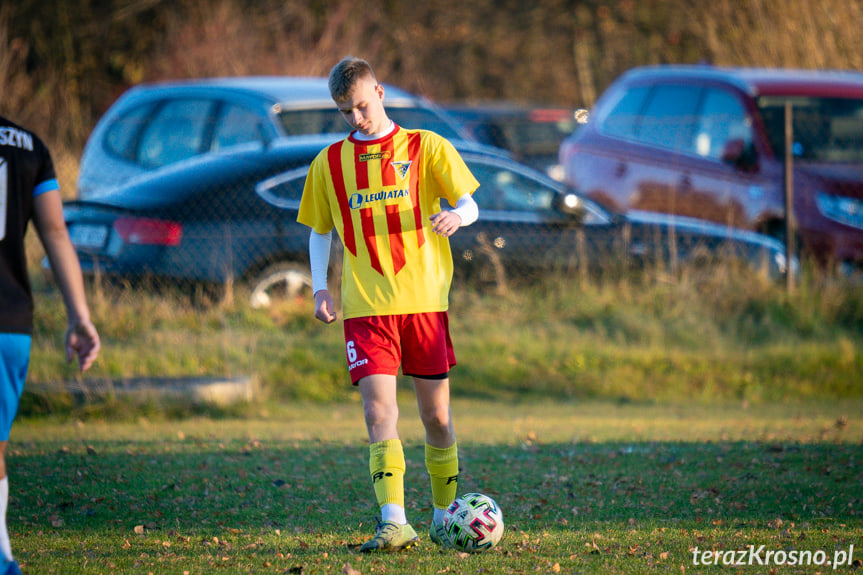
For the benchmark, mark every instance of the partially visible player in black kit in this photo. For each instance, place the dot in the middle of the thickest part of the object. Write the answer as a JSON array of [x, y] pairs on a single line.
[[29, 192]]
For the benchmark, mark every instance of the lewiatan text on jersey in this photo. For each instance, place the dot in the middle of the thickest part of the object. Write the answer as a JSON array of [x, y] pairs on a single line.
[[360, 200]]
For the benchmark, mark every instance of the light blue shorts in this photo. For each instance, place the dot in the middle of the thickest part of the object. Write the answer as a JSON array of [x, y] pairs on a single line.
[[14, 362]]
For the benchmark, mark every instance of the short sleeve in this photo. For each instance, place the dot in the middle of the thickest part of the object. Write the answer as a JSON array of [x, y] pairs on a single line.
[[314, 205]]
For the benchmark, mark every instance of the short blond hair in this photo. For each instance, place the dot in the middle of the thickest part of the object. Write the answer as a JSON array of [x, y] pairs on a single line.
[[345, 75]]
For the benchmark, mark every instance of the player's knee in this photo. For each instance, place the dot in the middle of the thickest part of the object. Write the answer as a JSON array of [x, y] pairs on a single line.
[[377, 414], [437, 419]]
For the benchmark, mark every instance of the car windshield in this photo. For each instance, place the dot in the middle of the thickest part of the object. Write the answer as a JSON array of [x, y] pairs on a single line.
[[329, 121], [825, 129], [527, 137]]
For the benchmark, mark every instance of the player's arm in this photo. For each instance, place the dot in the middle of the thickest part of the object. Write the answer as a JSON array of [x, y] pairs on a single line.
[[82, 340], [319, 259], [463, 214]]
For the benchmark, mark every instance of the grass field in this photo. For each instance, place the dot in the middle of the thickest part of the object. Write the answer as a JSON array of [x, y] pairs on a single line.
[[646, 425], [586, 487]]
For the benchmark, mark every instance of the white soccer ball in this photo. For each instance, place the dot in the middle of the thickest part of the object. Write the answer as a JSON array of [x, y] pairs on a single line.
[[473, 523]]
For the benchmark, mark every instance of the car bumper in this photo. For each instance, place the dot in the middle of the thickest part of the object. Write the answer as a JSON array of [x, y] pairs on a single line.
[[837, 245]]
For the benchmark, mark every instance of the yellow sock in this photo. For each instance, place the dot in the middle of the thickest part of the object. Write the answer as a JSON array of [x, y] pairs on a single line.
[[442, 465], [387, 468]]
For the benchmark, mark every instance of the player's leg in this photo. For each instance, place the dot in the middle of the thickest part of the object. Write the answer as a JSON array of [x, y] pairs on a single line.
[[386, 455], [441, 450], [434, 410], [14, 362], [428, 357], [5, 545], [373, 355], [386, 464]]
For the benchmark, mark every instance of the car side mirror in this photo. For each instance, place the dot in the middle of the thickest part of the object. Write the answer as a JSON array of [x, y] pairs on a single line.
[[740, 155]]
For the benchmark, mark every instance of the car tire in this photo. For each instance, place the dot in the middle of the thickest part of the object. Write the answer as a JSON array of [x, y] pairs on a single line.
[[281, 281]]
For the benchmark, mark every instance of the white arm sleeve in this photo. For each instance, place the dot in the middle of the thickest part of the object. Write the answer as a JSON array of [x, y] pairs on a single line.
[[467, 210], [319, 258]]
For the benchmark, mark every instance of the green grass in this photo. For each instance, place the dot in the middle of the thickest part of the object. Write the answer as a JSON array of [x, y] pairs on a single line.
[[586, 487], [620, 423], [703, 337]]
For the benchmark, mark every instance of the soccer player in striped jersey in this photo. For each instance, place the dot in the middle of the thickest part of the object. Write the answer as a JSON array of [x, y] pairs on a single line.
[[380, 189]]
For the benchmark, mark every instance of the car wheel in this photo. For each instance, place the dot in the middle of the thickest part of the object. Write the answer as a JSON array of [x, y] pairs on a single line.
[[280, 282]]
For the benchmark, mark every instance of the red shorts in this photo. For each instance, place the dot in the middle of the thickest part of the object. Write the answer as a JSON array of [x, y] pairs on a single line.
[[419, 343]]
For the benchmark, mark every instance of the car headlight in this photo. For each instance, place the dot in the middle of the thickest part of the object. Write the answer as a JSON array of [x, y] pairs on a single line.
[[845, 210], [571, 202]]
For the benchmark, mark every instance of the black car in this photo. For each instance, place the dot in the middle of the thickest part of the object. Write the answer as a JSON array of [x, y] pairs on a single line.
[[232, 217]]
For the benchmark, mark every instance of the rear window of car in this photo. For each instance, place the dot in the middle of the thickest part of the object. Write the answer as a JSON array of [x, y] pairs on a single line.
[[122, 134], [175, 133], [236, 125]]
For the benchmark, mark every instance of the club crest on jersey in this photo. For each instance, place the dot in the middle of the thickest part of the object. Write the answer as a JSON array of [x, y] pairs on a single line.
[[402, 168]]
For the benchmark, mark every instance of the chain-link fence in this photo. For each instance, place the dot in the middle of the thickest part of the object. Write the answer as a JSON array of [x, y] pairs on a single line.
[[671, 178], [686, 148]]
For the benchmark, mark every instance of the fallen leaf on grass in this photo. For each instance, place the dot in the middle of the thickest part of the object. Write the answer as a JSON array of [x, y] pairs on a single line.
[[348, 570]]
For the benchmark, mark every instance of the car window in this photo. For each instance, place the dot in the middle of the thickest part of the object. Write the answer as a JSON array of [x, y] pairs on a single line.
[[312, 121], [237, 125], [284, 190], [501, 189], [175, 133], [722, 120], [825, 129], [524, 135], [121, 135], [622, 118], [421, 118], [329, 121], [669, 118]]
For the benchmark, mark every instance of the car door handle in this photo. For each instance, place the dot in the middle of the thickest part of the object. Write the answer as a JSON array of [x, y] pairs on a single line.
[[620, 170], [686, 183]]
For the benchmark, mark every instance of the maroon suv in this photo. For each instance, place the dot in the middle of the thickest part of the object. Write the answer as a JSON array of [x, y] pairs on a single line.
[[709, 143]]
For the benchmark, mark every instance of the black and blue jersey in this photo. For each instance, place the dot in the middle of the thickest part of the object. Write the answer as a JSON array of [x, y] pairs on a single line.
[[26, 170]]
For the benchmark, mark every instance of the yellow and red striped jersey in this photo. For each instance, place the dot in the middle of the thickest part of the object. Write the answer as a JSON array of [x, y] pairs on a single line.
[[378, 195]]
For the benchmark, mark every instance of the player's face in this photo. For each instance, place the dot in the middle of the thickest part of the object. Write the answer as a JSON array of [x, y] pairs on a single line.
[[364, 109]]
